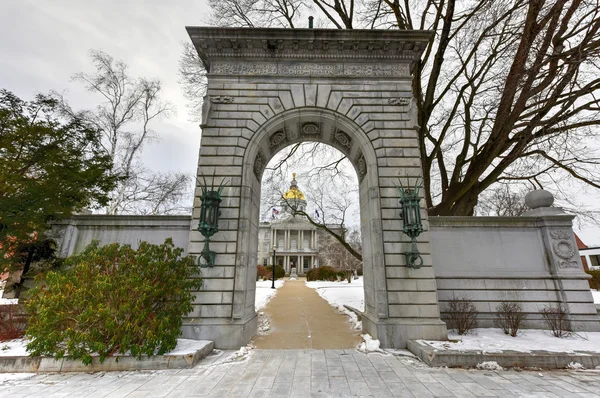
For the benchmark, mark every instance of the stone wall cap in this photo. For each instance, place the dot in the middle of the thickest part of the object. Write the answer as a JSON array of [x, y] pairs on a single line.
[[525, 221], [213, 43]]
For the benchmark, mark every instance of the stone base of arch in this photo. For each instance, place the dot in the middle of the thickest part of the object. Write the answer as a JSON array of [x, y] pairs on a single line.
[[228, 334], [395, 333]]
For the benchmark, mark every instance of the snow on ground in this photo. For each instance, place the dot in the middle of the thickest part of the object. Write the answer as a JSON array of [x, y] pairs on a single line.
[[187, 346], [17, 347], [13, 348], [264, 293], [7, 301], [596, 295], [495, 341], [343, 293]]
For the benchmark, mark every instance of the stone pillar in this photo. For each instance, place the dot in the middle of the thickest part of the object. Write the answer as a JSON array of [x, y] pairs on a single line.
[[564, 261]]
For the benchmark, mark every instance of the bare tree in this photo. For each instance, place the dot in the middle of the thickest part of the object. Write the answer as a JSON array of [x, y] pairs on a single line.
[[192, 77], [337, 254], [507, 91], [253, 13], [503, 202], [128, 109], [325, 177]]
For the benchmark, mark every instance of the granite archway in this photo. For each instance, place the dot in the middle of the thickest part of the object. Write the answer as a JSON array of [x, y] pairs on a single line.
[[268, 88]]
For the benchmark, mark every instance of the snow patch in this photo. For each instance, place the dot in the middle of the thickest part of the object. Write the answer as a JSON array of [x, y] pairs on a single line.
[[187, 346], [343, 293], [7, 378], [264, 324], [493, 340], [264, 293], [575, 366], [5, 301], [14, 348], [369, 344], [489, 365], [596, 296]]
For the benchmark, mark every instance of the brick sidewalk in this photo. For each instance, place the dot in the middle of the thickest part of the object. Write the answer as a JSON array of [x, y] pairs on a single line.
[[307, 373]]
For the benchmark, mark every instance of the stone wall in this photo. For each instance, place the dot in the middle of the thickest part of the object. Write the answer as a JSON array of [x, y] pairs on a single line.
[[489, 259], [74, 234], [495, 259]]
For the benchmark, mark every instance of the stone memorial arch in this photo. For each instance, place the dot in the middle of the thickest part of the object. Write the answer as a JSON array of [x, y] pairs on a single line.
[[351, 89]]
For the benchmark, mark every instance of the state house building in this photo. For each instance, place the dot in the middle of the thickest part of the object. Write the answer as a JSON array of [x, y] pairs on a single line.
[[296, 241]]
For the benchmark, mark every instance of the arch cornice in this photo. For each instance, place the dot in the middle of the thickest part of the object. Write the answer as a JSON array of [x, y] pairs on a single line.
[[214, 44]]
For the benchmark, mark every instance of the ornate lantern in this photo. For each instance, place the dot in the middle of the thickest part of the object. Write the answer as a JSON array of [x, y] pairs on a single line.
[[209, 220], [410, 213]]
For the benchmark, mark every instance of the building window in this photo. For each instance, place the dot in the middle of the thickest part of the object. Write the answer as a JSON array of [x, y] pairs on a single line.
[[595, 259]]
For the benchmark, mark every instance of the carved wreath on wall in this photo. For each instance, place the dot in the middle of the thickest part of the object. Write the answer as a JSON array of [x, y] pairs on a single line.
[[343, 139], [276, 139], [562, 246], [259, 165]]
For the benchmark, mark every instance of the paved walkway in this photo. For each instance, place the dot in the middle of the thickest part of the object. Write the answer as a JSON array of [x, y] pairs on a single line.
[[306, 373], [300, 318]]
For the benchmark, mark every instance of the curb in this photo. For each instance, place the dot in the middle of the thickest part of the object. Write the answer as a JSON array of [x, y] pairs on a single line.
[[47, 364], [506, 359]]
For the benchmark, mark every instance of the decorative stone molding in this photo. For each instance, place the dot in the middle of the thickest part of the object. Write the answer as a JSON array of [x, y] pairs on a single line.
[[206, 103], [311, 130], [310, 69], [361, 167], [277, 138], [343, 139], [330, 44], [221, 99], [399, 101], [563, 248], [259, 165]]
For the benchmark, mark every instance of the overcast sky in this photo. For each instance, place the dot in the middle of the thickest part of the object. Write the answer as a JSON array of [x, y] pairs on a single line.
[[43, 43]]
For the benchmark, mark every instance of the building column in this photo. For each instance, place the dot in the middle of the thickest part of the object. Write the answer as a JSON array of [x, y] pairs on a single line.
[[300, 265]]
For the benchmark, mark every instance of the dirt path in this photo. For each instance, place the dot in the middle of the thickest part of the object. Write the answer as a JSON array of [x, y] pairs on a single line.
[[300, 318]]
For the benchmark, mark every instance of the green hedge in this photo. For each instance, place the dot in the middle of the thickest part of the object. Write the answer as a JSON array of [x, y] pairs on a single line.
[[325, 273], [595, 281], [113, 300]]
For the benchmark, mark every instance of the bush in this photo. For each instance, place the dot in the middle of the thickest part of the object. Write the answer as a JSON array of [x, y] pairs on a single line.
[[509, 316], [462, 314], [262, 272], [113, 300], [279, 272], [13, 320], [557, 320], [595, 281], [324, 273]]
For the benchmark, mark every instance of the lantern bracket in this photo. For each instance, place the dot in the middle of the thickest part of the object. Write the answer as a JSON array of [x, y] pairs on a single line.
[[410, 214], [208, 224]]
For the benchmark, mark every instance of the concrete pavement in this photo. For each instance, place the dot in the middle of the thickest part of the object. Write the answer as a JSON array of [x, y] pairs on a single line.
[[307, 373], [300, 318]]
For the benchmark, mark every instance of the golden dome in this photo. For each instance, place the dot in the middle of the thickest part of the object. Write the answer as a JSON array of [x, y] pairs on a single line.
[[294, 192]]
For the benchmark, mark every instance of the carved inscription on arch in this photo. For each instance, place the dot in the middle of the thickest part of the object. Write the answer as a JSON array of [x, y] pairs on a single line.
[[310, 69]]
